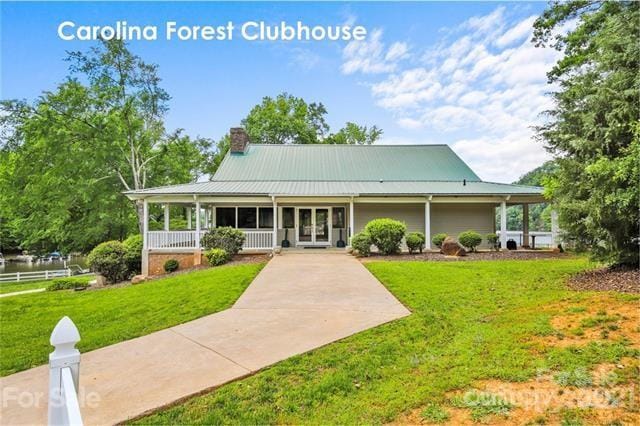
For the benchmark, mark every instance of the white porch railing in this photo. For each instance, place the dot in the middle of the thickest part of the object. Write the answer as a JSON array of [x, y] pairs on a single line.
[[260, 240], [34, 275], [543, 239], [64, 372], [172, 239], [254, 240]]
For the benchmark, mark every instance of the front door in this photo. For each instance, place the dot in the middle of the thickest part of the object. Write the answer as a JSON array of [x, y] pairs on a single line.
[[314, 227]]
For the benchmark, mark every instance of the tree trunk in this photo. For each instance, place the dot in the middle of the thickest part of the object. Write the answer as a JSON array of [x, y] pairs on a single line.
[[139, 204]]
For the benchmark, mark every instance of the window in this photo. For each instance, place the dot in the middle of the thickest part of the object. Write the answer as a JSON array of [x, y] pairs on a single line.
[[226, 216], [247, 217], [265, 217], [288, 217], [338, 217]]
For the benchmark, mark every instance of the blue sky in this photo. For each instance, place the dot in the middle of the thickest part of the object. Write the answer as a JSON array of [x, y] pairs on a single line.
[[461, 73]]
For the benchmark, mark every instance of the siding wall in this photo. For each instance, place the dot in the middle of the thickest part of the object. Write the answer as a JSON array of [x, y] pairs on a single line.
[[411, 214], [454, 218]]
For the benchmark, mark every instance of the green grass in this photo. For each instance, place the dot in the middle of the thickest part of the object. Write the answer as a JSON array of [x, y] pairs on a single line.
[[108, 316], [470, 321]]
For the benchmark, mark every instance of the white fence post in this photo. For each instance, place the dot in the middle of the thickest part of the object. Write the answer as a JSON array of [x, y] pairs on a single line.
[[64, 371], [18, 276]]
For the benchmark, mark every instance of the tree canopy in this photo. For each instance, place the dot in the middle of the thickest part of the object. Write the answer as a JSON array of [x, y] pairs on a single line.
[[67, 157], [593, 128]]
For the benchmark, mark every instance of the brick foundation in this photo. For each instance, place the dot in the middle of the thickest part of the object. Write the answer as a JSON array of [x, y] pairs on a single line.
[[185, 259]]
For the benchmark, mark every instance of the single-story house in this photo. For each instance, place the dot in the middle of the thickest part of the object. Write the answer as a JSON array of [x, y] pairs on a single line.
[[318, 196]]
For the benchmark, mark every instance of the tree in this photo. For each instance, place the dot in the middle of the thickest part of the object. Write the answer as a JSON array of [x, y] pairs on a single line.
[[67, 157], [286, 119], [593, 127], [354, 134], [291, 120]]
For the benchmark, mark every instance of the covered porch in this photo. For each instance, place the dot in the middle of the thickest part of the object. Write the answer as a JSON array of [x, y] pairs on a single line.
[[277, 222]]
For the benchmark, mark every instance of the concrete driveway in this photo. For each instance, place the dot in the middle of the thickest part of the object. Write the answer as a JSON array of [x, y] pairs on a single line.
[[298, 302]]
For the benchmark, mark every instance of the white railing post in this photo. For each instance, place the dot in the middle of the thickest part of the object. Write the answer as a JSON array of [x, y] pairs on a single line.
[[64, 361]]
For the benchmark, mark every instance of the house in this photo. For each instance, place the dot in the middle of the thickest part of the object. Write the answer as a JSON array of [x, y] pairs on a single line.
[[318, 196]]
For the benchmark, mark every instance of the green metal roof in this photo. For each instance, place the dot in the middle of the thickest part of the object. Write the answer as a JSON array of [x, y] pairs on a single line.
[[338, 170], [344, 163]]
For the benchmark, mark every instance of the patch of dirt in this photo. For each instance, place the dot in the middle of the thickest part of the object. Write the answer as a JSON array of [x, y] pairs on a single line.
[[481, 255], [543, 401], [618, 279], [602, 318]]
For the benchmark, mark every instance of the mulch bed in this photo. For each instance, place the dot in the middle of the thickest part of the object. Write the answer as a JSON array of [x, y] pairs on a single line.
[[625, 280], [483, 255]]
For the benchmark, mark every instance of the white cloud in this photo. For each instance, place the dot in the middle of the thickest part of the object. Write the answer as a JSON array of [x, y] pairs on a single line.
[[516, 33], [483, 80], [370, 56]]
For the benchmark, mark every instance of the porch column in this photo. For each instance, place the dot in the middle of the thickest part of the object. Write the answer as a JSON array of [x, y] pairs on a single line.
[[166, 217], [189, 217], [351, 220], [275, 222], [427, 223], [197, 223], [525, 225], [503, 225], [145, 224]]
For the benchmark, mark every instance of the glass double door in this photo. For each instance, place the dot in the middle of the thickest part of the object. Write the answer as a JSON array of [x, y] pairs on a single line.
[[313, 226]]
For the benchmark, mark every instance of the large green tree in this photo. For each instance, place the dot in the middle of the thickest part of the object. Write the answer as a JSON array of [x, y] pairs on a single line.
[[67, 157], [289, 119], [593, 128]]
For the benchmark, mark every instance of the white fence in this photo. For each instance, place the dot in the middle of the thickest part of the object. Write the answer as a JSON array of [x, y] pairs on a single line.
[[34, 275], [542, 239], [254, 240], [64, 374]]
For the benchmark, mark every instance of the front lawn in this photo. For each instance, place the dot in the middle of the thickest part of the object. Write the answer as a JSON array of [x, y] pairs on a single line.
[[108, 316], [471, 321]]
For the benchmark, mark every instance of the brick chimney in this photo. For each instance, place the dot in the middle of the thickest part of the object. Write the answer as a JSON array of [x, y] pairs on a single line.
[[239, 140]]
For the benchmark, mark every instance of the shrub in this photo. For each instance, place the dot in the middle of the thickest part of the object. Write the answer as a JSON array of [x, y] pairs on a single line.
[[470, 239], [66, 284], [415, 241], [171, 265], [386, 234], [216, 257], [133, 253], [226, 238], [492, 239], [438, 239], [108, 260], [361, 242]]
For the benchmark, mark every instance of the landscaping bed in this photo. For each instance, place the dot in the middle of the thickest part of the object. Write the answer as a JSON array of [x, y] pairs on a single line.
[[480, 255], [606, 279], [482, 340]]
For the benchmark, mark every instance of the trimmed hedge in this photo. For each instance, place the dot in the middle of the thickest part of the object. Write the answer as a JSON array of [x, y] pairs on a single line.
[[386, 234], [108, 260], [438, 239], [415, 241], [133, 253], [493, 239], [470, 239], [66, 284], [361, 242], [226, 238], [171, 265], [216, 257]]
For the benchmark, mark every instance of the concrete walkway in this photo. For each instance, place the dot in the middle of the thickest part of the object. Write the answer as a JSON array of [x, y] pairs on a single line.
[[18, 293], [298, 302]]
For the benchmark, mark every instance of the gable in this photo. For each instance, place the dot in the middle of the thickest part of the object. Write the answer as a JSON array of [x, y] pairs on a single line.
[[345, 163]]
